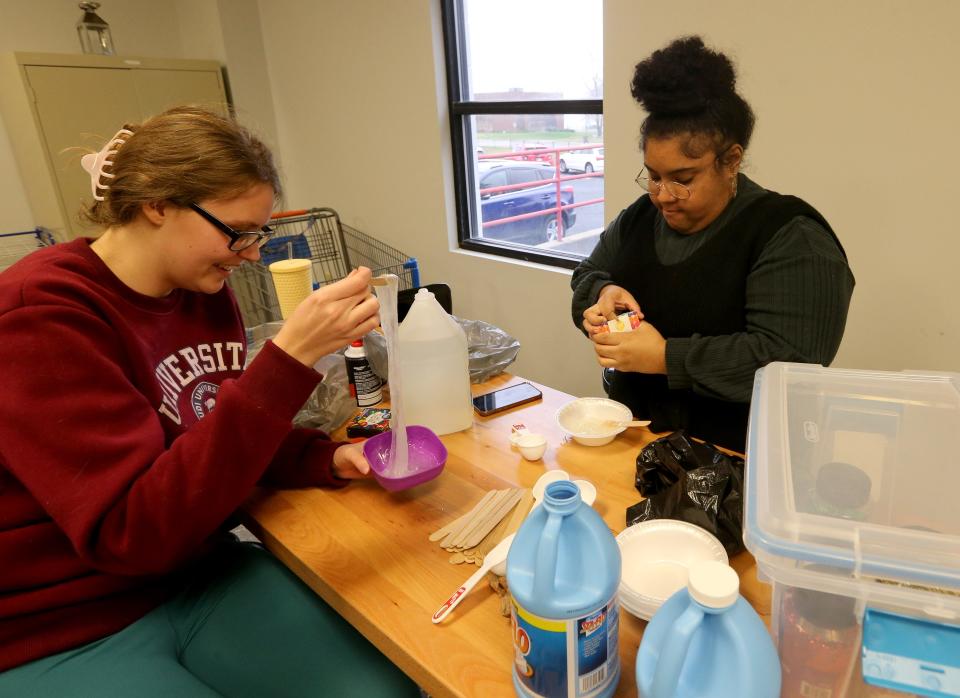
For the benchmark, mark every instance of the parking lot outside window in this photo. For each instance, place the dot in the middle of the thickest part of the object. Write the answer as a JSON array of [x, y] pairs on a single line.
[[526, 120]]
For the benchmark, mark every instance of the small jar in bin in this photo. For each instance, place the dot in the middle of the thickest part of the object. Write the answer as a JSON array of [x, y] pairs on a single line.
[[819, 642]]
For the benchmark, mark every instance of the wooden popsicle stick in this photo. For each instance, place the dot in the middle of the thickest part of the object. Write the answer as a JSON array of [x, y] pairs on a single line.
[[491, 522], [455, 539], [493, 519], [450, 541], [509, 525], [497, 534], [379, 281], [519, 513], [458, 523], [481, 519]]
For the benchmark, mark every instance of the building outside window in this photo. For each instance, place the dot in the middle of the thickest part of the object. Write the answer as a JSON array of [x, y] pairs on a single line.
[[525, 84]]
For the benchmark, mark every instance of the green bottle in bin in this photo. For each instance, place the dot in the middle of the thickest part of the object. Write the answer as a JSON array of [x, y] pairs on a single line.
[[842, 491]]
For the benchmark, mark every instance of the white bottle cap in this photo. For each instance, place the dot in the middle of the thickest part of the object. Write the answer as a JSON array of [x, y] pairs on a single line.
[[713, 584]]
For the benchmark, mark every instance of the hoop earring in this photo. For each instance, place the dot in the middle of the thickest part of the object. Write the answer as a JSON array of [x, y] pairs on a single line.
[[733, 186]]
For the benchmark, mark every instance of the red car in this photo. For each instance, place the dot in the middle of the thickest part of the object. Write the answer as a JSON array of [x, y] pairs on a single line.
[[541, 157]]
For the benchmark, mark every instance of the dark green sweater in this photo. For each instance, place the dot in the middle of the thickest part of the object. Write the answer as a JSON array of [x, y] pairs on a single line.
[[788, 318]]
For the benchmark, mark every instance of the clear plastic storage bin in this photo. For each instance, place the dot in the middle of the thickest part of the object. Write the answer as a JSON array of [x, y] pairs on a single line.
[[853, 514]]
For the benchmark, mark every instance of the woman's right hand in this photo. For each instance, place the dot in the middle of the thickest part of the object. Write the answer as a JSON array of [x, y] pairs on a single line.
[[330, 318], [612, 301]]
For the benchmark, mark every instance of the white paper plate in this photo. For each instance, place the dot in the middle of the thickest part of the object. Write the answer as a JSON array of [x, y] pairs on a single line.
[[657, 556], [588, 492]]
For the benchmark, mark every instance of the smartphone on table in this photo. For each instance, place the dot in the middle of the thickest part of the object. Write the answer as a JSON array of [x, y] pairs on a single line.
[[505, 398]]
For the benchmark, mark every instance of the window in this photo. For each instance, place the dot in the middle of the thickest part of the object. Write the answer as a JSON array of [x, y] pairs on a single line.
[[525, 84]]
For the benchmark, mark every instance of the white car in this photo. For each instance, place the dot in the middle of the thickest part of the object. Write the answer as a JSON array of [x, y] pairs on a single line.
[[584, 160]]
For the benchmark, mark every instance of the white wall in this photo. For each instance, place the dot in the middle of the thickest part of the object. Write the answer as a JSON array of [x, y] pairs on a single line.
[[243, 53], [856, 104]]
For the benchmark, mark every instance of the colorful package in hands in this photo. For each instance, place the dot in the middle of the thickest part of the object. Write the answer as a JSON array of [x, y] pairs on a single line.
[[624, 322]]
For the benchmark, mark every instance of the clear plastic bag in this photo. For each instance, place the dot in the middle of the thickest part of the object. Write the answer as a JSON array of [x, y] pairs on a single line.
[[330, 404], [490, 349]]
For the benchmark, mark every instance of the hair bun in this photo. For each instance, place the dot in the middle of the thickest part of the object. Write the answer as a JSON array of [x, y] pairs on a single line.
[[683, 79]]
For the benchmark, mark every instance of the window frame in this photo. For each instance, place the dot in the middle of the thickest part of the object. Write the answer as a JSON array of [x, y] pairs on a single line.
[[463, 146]]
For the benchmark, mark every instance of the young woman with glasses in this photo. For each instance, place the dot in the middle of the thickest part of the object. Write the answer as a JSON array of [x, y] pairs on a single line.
[[130, 433], [726, 275]]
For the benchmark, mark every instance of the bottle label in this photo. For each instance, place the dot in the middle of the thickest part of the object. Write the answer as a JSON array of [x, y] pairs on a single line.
[[576, 657], [365, 385]]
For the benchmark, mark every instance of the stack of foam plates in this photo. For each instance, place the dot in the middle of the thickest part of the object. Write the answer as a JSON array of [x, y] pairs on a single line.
[[657, 556]]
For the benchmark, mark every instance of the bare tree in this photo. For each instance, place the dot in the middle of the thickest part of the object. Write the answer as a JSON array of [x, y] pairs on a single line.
[[595, 90]]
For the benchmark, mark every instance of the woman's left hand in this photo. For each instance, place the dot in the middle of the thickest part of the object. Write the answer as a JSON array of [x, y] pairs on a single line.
[[643, 350], [349, 462]]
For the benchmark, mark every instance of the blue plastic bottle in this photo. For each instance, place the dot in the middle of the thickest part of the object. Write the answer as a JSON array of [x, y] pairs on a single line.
[[706, 641], [563, 571]]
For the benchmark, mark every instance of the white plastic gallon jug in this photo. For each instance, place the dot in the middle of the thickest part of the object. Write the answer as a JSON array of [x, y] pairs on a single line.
[[434, 371]]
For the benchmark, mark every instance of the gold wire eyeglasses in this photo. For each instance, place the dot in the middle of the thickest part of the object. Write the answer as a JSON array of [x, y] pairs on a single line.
[[675, 189]]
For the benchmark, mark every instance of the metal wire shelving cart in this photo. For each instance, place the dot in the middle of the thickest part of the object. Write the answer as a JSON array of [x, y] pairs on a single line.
[[333, 247], [14, 246]]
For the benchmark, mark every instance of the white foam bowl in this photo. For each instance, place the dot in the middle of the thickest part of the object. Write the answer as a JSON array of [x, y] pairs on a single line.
[[583, 420], [657, 556]]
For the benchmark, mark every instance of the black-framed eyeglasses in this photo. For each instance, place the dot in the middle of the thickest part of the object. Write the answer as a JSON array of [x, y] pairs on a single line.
[[675, 189], [239, 239]]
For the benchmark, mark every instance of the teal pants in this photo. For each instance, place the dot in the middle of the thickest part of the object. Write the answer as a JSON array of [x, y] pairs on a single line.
[[246, 626]]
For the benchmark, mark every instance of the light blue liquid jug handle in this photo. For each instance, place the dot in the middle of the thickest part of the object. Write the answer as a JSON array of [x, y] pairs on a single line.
[[666, 676], [545, 574]]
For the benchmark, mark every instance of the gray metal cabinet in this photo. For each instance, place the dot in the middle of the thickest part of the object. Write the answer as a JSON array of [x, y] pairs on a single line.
[[58, 107]]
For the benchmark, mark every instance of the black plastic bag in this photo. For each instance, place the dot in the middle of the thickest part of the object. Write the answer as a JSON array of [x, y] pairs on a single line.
[[691, 481]]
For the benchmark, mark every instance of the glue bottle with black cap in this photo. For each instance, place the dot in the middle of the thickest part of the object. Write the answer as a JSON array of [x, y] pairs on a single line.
[[365, 385]]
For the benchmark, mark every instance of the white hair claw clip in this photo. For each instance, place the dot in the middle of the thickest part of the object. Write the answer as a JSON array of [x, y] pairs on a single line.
[[94, 163]]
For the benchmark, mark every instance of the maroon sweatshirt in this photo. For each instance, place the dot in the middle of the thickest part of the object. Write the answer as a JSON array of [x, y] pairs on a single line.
[[128, 435]]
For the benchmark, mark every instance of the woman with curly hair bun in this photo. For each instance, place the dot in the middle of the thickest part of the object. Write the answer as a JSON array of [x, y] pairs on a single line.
[[726, 275]]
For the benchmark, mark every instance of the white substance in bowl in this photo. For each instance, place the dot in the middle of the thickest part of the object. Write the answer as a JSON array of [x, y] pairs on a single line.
[[591, 427], [586, 420]]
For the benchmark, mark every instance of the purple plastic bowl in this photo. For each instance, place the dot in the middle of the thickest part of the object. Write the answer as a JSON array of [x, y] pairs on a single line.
[[426, 457]]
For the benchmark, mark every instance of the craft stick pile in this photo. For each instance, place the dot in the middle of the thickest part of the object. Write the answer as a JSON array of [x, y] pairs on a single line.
[[470, 537]]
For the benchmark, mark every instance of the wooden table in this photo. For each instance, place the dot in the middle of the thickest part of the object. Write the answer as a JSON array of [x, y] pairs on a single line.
[[366, 552]]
